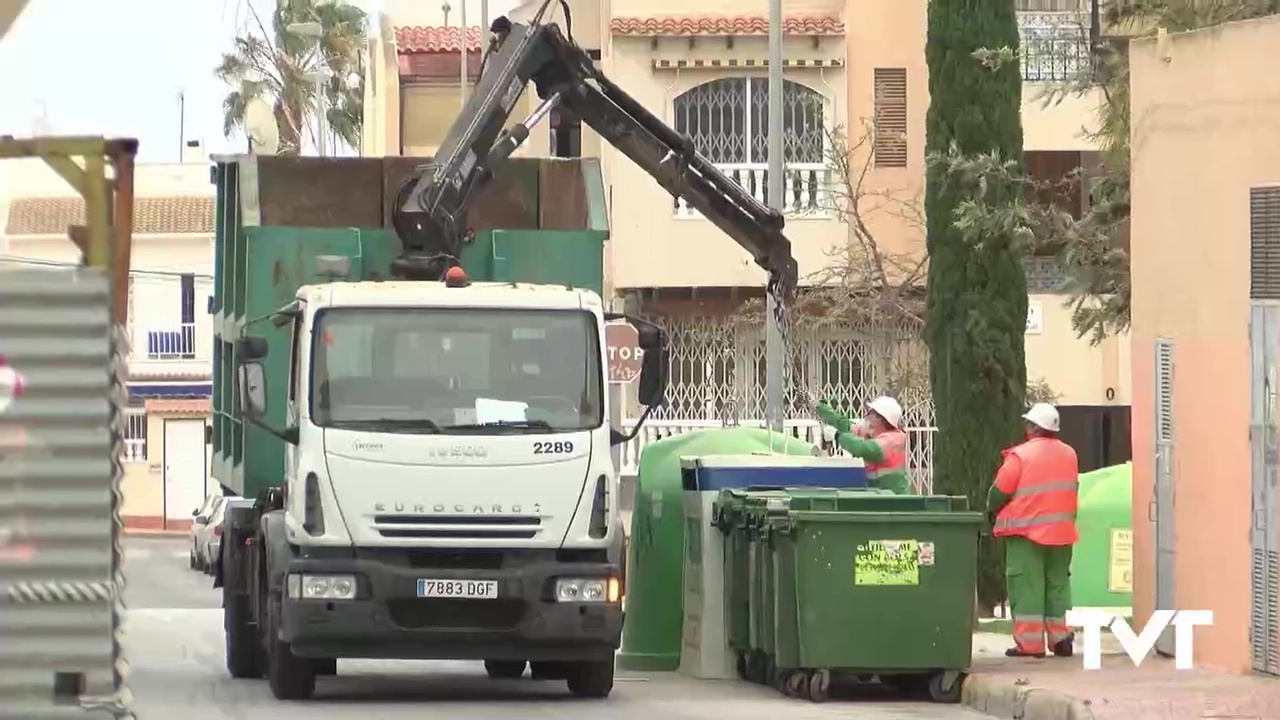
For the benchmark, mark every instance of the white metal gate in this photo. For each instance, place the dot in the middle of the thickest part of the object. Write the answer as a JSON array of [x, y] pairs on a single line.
[[185, 468], [1162, 510], [1264, 338]]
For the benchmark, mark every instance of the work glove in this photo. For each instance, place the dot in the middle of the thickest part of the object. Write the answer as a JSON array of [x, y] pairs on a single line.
[[826, 413]]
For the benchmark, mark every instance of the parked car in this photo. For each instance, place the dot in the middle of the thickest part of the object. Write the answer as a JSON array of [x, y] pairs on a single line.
[[201, 528], [213, 538]]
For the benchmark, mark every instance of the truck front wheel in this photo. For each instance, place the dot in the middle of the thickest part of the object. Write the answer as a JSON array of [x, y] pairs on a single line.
[[244, 651], [290, 677], [591, 679]]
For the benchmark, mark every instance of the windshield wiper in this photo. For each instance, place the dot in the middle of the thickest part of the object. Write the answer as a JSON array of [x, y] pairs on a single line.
[[388, 425], [540, 425]]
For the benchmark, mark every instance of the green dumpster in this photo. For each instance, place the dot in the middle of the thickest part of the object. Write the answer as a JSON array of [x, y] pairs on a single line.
[[740, 515], [895, 575]]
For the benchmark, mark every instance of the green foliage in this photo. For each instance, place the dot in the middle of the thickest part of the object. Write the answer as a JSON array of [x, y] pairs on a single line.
[[1098, 267], [272, 64], [976, 222]]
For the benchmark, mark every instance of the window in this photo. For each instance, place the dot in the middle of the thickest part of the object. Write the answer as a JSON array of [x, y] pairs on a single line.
[[133, 429], [295, 357], [891, 117], [415, 368], [728, 120]]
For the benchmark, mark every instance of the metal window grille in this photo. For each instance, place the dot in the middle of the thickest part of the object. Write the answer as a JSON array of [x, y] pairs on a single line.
[[134, 433], [1055, 46]]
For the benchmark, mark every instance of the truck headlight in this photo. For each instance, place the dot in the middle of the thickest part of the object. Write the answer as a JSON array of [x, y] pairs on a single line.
[[322, 587], [591, 590]]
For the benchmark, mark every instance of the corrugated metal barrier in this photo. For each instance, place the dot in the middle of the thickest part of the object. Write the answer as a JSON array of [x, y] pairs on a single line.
[[60, 471]]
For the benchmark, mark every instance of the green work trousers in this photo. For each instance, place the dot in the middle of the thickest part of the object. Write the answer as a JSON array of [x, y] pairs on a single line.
[[1039, 584]]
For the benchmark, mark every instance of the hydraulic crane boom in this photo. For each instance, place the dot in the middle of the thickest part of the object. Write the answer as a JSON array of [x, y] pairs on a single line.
[[433, 205]]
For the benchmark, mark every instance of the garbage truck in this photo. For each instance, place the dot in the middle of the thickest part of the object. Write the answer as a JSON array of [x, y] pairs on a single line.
[[421, 418]]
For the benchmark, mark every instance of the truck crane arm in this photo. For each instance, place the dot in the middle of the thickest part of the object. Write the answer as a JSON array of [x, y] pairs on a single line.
[[430, 213]]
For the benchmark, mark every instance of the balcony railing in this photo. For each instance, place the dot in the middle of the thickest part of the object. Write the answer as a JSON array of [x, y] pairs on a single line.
[[176, 343], [805, 190], [163, 343], [1056, 46]]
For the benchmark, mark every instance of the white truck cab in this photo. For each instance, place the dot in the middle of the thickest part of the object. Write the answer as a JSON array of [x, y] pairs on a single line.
[[449, 490]]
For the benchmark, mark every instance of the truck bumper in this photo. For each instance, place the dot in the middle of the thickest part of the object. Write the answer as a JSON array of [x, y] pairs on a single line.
[[388, 620]]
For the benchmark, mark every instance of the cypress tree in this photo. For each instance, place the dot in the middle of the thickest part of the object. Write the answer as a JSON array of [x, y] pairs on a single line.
[[977, 291]]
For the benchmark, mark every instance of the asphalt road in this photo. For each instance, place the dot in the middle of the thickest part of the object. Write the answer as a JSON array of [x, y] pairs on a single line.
[[175, 651]]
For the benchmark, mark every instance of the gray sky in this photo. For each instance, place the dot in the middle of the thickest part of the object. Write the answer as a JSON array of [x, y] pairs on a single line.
[[116, 67]]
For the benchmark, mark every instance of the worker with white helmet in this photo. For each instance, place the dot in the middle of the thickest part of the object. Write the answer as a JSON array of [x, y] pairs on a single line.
[[878, 439], [1033, 501]]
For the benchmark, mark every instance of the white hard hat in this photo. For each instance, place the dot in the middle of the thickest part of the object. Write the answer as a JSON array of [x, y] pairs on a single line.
[[887, 408], [1043, 416]]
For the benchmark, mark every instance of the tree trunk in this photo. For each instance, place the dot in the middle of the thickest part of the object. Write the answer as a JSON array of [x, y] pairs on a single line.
[[977, 294]]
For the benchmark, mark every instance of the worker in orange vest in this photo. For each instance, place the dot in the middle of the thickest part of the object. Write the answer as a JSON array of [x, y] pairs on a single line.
[[1033, 501]]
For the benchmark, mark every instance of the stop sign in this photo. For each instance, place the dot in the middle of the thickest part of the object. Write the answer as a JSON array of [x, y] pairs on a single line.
[[623, 345]]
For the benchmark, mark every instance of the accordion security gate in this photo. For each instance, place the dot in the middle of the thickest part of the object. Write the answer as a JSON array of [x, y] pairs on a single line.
[[60, 449]]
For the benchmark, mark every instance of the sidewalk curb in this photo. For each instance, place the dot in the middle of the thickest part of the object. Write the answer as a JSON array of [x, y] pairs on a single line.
[[1004, 699]]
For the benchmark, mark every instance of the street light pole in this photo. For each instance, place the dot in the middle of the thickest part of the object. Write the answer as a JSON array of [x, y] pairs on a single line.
[[462, 18], [775, 341]]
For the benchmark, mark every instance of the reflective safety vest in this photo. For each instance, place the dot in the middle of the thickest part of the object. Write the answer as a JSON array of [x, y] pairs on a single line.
[[1042, 507], [893, 443]]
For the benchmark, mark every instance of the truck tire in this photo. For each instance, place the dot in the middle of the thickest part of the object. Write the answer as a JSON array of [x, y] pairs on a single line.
[[244, 649], [290, 677], [504, 669], [592, 679]]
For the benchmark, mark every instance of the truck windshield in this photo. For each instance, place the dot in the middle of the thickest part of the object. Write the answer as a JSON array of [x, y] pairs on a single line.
[[463, 371]]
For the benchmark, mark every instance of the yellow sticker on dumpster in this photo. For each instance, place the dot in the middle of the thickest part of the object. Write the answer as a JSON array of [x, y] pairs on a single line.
[[1120, 570], [887, 562]]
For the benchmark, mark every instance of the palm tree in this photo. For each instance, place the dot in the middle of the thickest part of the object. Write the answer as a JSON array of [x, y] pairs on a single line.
[[273, 65]]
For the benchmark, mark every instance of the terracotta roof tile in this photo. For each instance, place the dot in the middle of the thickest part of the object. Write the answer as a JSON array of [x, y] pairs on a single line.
[[724, 25], [151, 215], [436, 39]]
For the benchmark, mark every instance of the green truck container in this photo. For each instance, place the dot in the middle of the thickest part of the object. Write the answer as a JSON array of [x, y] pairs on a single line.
[[541, 220]]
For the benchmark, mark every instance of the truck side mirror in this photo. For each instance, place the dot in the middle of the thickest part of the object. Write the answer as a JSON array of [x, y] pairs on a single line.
[[653, 366], [251, 388], [251, 347]]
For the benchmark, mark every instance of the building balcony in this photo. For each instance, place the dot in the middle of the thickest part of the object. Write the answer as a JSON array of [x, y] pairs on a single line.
[[159, 349], [805, 191], [1056, 46]]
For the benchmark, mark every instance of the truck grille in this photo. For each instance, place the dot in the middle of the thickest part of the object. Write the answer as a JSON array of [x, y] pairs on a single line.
[[459, 527], [456, 613]]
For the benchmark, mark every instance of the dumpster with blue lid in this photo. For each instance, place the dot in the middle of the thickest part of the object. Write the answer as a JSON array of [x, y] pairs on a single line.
[[705, 651]]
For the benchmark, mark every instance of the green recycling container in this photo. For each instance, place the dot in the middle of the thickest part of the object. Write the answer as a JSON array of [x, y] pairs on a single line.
[[740, 514], [898, 581]]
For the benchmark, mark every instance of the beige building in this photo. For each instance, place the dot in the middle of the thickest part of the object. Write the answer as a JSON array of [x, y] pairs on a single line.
[[702, 67], [1206, 336], [166, 459]]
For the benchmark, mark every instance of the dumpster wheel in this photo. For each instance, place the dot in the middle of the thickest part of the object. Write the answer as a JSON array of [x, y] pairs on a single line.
[[797, 685], [820, 686], [945, 686]]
